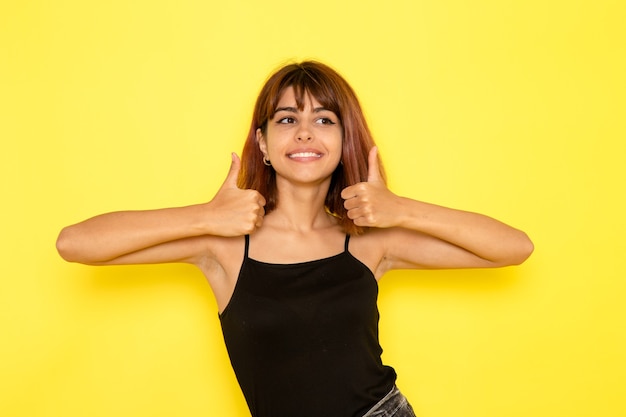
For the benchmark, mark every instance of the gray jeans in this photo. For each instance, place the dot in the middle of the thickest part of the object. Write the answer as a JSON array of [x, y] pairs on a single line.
[[393, 404]]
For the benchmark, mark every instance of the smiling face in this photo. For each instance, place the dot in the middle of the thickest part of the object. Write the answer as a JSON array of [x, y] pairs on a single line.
[[304, 145], [308, 79]]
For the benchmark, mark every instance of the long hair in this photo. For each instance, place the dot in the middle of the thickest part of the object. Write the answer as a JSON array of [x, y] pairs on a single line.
[[333, 93]]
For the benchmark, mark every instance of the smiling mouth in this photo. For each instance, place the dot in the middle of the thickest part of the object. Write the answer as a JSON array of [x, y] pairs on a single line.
[[304, 155]]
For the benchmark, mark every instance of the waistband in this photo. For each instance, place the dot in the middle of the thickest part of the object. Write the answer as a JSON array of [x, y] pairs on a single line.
[[393, 404]]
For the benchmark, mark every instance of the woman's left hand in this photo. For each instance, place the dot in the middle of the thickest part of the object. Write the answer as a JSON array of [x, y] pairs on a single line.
[[371, 204], [424, 235]]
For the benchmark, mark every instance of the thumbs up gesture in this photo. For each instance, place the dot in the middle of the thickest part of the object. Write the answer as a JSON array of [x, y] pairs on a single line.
[[371, 204], [233, 211]]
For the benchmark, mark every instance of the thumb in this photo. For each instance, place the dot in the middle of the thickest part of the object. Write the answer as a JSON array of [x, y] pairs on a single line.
[[373, 169], [233, 172]]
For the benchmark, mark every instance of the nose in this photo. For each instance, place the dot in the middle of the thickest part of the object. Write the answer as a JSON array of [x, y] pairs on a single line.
[[303, 134]]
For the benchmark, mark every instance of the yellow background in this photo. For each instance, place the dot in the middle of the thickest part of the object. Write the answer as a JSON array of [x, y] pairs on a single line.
[[511, 108]]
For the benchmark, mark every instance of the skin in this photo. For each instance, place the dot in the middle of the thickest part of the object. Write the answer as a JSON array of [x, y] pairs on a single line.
[[402, 233]]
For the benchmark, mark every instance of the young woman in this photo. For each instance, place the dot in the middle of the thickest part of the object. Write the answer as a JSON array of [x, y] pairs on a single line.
[[293, 244]]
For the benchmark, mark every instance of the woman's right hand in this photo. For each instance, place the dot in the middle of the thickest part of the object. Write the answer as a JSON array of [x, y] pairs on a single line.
[[164, 235], [233, 211]]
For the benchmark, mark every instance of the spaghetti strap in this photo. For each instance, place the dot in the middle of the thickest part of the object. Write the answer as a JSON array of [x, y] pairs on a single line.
[[245, 251], [345, 248]]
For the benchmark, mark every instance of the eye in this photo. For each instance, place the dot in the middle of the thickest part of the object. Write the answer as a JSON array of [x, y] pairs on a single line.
[[286, 120], [325, 121]]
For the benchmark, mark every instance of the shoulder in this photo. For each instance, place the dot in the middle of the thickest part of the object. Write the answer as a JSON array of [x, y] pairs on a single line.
[[369, 248], [391, 248], [223, 250], [221, 264], [222, 257]]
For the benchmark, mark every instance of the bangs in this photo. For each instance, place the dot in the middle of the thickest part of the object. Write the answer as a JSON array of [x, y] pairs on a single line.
[[306, 83]]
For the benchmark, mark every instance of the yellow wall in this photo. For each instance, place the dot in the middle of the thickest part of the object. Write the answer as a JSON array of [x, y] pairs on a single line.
[[511, 108]]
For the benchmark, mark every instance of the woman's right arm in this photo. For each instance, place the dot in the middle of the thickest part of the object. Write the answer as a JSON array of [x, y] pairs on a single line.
[[164, 235]]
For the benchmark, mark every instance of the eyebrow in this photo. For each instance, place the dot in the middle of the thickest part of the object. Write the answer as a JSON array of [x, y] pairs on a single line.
[[295, 110]]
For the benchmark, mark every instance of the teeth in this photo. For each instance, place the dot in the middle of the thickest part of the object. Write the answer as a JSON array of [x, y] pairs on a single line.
[[304, 155]]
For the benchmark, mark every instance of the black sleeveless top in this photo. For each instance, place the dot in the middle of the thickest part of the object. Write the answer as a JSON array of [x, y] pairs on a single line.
[[303, 338]]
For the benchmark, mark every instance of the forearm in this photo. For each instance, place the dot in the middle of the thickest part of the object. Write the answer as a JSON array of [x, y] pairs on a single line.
[[483, 236], [108, 236]]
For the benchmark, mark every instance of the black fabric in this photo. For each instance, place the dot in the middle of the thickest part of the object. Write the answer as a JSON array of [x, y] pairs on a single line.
[[303, 338]]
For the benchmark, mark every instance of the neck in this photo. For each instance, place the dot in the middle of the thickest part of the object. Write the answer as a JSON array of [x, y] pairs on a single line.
[[301, 208]]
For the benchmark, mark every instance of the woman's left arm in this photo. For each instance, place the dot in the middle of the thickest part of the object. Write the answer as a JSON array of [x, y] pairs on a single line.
[[423, 235]]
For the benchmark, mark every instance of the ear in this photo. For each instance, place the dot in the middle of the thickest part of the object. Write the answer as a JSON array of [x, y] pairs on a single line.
[[260, 139]]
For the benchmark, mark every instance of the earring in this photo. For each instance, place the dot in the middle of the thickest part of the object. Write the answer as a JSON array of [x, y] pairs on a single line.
[[266, 161]]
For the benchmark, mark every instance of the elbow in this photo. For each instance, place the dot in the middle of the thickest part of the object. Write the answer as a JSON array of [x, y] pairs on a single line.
[[66, 246], [523, 250], [516, 252]]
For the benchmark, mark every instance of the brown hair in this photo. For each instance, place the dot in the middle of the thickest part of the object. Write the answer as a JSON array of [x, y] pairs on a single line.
[[333, 93]]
